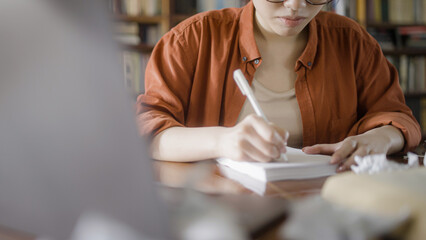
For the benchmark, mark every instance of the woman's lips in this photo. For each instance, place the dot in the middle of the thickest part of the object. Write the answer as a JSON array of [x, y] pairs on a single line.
[[291, 21]]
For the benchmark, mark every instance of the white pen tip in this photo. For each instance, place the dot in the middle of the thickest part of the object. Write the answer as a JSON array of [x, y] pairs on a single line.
[[282, 158]]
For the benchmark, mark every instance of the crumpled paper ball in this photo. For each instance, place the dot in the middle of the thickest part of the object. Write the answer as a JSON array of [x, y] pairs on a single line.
[[379, 163]]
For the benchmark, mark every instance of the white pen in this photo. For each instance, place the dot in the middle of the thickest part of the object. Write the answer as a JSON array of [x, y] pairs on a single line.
[[246, 90]]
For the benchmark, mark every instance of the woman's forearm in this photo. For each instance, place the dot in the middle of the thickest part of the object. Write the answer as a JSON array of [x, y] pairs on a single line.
[[182, 144], [253, 139]]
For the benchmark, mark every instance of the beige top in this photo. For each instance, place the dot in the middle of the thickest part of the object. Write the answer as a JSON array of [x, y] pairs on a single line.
[[280, 108]]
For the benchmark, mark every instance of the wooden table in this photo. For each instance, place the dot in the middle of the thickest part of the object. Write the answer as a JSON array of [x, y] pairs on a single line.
[[213, 182], [210, 180], [10, 234]]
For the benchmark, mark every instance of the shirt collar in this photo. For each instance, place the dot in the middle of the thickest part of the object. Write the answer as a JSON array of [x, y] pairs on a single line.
[[248, 46], [308, 56], [247, 42]]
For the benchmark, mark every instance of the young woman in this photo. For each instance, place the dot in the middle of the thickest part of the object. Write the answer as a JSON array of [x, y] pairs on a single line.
[[318, 76]]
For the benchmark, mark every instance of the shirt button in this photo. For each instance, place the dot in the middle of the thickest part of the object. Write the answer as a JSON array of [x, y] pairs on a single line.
[[309, 64], [256, 61], [244, 59]]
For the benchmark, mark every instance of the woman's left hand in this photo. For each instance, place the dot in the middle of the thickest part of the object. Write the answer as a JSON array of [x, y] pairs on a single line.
[[382, 140]]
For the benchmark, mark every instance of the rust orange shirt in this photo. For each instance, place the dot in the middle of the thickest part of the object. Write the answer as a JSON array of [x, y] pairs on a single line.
[[344, 86]]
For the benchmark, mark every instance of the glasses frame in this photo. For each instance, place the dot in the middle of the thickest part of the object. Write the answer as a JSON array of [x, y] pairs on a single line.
[[308, 1]]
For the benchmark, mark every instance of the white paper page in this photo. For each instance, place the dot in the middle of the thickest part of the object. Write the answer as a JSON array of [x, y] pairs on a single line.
[[299, 165]]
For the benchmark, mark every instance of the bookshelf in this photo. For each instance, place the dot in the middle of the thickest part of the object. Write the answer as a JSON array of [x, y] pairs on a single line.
[[147, 17], [398, 25], [160, 15], [400, 28], [141, 23]]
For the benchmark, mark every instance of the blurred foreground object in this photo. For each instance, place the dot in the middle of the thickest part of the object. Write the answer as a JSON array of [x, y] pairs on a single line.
[[314, 218], [383, 193], [68, 141], [200, 217], [94, 226]]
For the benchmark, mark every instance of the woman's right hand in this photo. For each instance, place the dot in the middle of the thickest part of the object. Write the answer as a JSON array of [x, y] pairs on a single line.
[[253, 139]]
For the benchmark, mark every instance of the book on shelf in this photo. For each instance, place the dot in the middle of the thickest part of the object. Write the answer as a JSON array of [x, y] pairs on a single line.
[[136, 7], [352, 8], [194, 6], [299, 166], [361, 11], [377, 8], [384, 11], [413, 36], [422, 120], [134, 66], [401, 11], [151, 7], [127, 33], [207, 5], [383, 37], [420, 11], [341, 7], [392, 11], [423, 12], [126, 28], [128, 39], [374, 10], [132, 34], [132, 7], [412, 73], [150, 34]]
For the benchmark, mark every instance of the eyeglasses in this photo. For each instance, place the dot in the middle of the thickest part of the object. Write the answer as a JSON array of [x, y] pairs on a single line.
[[312, 2]]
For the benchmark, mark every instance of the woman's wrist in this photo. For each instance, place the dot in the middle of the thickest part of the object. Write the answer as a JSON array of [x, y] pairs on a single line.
[[220, 144], [394, 137]]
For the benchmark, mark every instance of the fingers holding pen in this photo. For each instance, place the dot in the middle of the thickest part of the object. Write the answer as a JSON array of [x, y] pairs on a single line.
[[284, 135], [247, 151], [254, 139], [244, 144], [269, 132]]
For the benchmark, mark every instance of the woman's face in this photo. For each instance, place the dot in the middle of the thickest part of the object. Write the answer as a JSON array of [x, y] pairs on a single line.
[[288, 18]]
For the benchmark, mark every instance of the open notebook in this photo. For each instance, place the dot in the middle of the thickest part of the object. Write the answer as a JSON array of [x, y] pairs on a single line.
[[299, 166]]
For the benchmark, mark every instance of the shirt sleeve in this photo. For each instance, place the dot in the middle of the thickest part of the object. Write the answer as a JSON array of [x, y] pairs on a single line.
[[380, 98], [168, 80]]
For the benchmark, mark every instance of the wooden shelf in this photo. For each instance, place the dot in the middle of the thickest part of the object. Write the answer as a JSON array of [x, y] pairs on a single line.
[[180, 17], [405, 51], [145, 48], [140, 19], [415, 94], [384, 25]]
